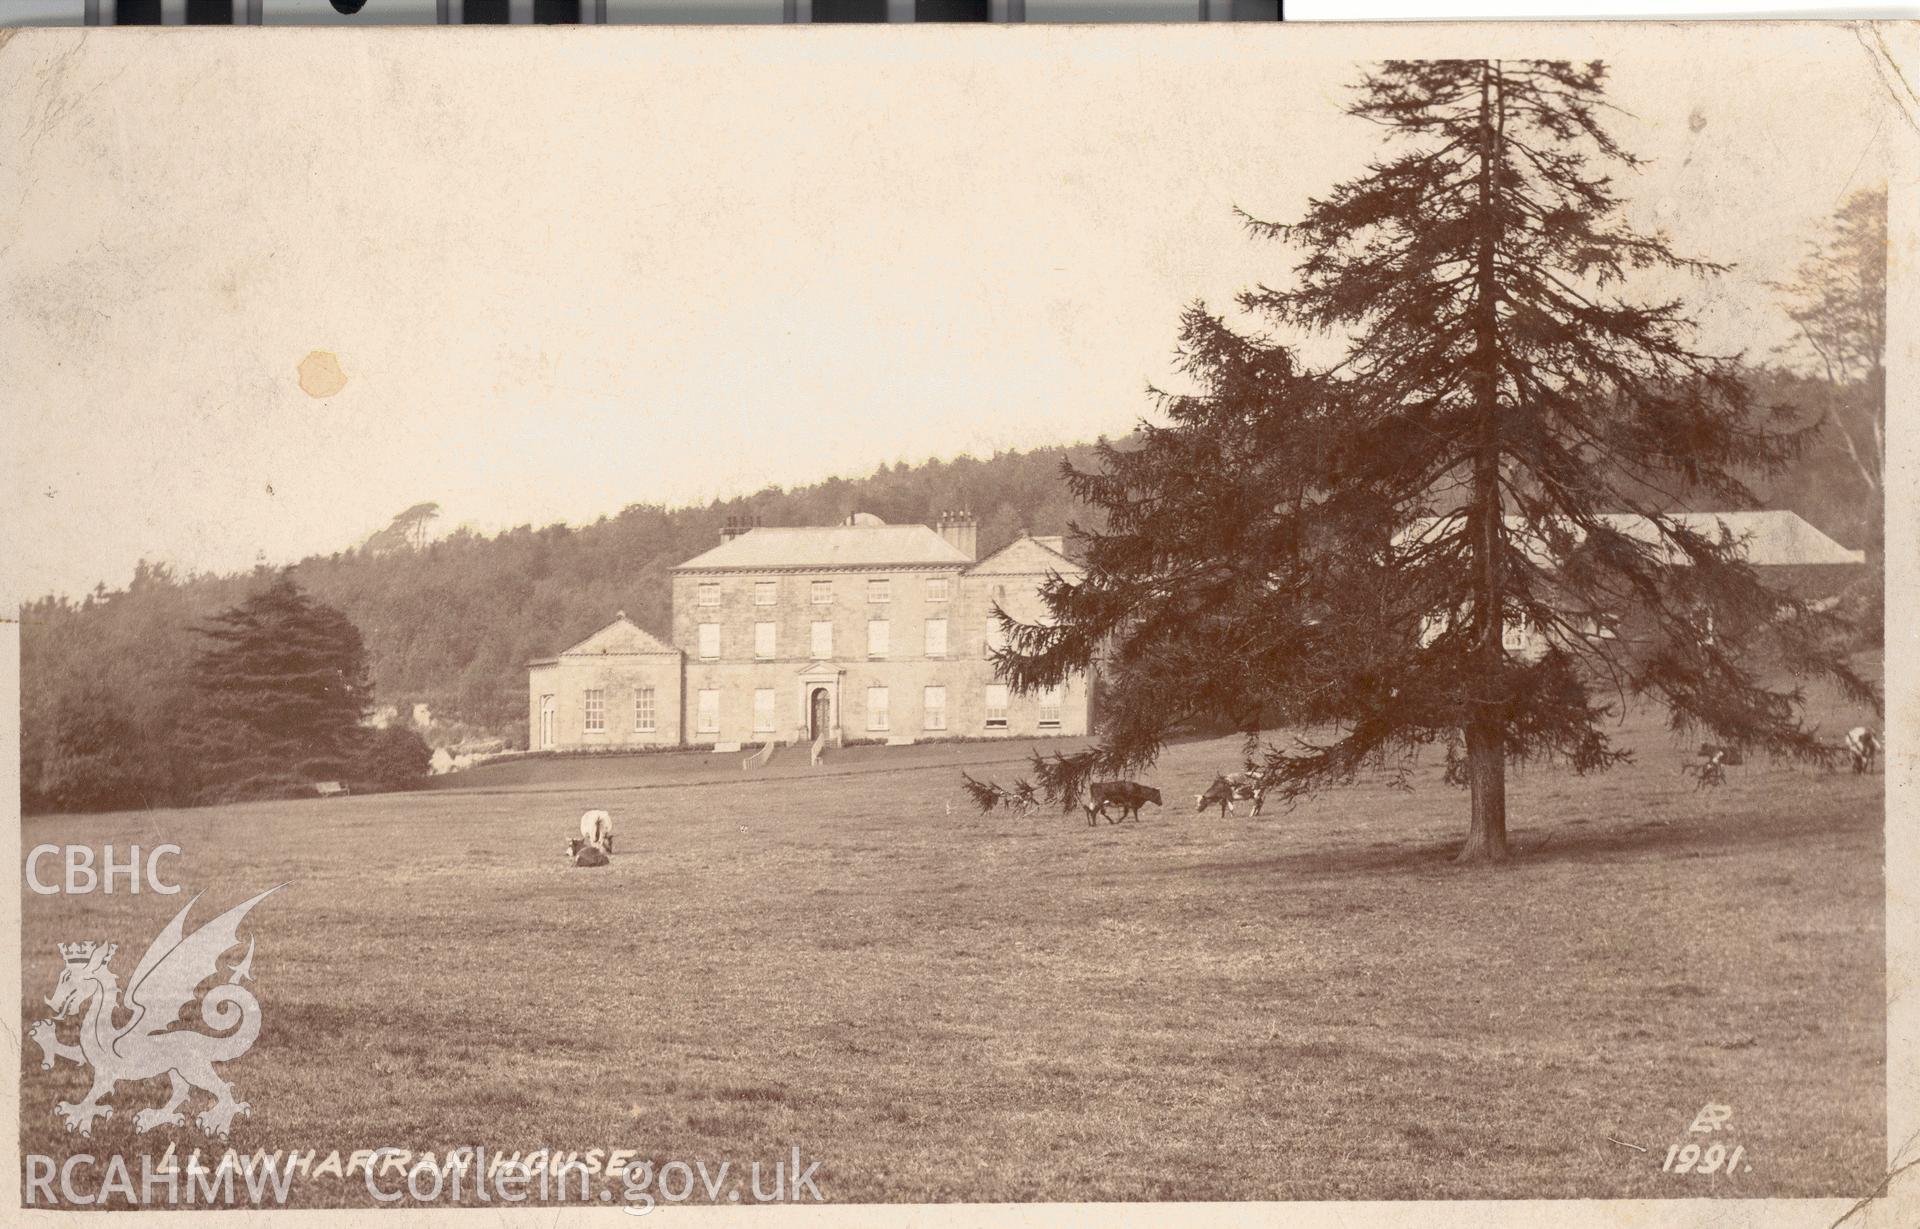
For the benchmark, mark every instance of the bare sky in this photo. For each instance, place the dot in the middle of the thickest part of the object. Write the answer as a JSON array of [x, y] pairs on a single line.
[[569, 270]]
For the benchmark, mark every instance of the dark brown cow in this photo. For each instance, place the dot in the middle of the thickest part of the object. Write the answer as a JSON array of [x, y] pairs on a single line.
[[583, 854], [1129, 796]]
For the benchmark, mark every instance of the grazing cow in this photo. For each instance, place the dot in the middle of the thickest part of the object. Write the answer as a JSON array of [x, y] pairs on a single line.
[[1129, 796], [585, 853], [596, 828], [1863, 747], [1710, 769], [1228, 788]]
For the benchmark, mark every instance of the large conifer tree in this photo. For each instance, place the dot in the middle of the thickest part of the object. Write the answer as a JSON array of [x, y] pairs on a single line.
[[280, 690], [1342, 551]]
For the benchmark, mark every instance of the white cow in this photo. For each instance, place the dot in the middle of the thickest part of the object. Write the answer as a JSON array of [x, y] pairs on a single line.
[[1863, 746], [596, 828]]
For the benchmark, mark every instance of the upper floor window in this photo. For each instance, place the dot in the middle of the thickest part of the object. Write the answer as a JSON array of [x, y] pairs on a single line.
[[936, 637], [879, 637], [709, 593], [709, 641], [763, 640], [936, 588], [765, 592], [823, 639], [880, 590], [820, 592]]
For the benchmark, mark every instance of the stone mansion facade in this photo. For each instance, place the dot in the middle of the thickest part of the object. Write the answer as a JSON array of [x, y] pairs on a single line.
[[861, 630]]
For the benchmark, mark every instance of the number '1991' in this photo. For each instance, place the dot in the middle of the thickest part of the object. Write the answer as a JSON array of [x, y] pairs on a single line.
[[1692, 1159]]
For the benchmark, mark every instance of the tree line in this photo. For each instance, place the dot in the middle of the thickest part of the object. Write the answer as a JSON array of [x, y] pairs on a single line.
[[272, 702]]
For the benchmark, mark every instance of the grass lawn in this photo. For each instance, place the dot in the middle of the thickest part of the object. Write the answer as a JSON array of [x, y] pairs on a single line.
[[942, 1005]]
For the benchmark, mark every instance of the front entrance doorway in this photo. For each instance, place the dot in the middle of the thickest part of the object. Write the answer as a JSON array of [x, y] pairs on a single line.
[[820, 713]]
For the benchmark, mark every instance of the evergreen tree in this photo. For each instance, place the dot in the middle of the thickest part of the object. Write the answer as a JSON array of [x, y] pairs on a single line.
[[393, 758], [1343, 550], [96, 760], [280, 693]]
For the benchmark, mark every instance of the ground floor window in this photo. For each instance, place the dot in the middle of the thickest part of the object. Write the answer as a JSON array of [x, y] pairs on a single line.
[[935, 706], [596, 722], [996, 706], [878, 717], [709, 711], [763, 711], [643, 718], [1051, 699]]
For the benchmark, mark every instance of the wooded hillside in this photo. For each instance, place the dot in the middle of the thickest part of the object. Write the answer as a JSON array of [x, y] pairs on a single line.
[[452, 622]]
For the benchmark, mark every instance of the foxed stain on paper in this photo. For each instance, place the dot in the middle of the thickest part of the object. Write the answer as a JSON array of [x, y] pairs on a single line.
[[320, 374]]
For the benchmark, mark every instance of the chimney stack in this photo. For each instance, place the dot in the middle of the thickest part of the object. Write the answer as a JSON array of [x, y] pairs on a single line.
[[962, 531], [737, 525]]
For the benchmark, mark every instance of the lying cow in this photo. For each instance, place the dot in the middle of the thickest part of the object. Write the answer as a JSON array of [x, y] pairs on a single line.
[[1863, 747], [1129, 796], [1228, 788], [585, 854], [596, 828]]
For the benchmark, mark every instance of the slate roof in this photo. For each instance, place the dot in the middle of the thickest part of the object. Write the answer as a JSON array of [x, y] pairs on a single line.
[[1773, 537], [1027, 557], [618, 638], [827, 547]]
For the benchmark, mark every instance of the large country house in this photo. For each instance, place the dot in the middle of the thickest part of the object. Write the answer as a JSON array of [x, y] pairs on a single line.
[[861, 630]]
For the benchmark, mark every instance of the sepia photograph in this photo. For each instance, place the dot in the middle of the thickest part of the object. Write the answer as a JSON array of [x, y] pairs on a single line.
[[1215, 614]]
